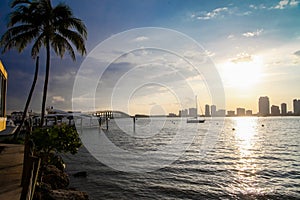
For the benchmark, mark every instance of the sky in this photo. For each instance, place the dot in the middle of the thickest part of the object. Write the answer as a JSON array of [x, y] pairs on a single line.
[[253, 45]]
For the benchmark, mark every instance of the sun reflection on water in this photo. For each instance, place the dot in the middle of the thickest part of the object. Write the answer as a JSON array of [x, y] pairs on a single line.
[[246, 167], [244, 133]]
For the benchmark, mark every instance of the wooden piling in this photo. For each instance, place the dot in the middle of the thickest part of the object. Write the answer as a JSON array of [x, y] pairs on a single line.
[[133, 124]]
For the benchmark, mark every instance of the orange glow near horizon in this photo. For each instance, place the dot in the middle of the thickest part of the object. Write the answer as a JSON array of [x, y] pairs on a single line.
[[242, 77], [242, 74]]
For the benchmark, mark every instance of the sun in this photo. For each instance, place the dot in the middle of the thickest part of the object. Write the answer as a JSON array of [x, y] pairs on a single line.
[[241, 73]]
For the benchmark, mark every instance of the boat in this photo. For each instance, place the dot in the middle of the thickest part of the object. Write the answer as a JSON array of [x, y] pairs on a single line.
[[195, 119], [9, 131]]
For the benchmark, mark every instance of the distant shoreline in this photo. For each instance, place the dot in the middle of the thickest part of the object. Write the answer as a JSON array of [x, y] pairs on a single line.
[[148, 116]]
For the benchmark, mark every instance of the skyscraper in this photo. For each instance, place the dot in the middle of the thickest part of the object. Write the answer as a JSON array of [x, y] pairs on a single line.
[[193, 112], [213, 110], [207, 113], [283, 109], [275, 110], [230, 113], [249, 112], [263, 106], [296, 105], [183, 113], [240, 111]]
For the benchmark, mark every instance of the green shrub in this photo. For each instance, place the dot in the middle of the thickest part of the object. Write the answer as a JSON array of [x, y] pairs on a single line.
[[57, 139]]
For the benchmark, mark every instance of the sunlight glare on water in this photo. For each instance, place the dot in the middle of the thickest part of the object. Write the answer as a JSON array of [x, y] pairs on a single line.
[[244, 132], [254, 158], [246, 166]]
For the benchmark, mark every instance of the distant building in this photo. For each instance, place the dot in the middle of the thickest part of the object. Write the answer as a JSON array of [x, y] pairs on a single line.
[[249, 112], [240, 111], [263, 106], [220, 113], [296, 105], [283, 109], [172, 115], [230, 113], [16, 117], [192, 112], [207, 112], [275, 110], [183, 113], [213, 109]]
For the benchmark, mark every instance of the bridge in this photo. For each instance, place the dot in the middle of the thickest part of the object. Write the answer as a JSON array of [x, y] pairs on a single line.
[[105, 115], [111, 114]]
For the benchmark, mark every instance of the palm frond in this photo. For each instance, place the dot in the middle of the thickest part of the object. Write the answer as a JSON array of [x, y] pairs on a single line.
[[37, 45], [75, 38], [37, 20], [72, 23], [18, 37], [60, 44], [62, 11], [18, 2], [19, 41]]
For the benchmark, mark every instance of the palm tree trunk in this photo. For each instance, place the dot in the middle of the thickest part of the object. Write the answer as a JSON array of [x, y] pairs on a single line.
[[29, 97], [46, 82]]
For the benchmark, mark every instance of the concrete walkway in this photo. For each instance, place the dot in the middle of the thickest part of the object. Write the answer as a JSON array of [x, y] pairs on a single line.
[[11, 165]]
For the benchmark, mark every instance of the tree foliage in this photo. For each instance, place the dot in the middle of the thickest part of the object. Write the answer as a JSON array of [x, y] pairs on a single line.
[[39, 23], [58, 139]]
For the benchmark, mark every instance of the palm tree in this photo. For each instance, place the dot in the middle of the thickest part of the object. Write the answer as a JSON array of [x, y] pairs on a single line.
[[28, 98], [52, 27], [26, 13]]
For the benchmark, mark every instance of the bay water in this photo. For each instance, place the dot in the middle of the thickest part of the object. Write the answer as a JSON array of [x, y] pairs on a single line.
[[249, 158]]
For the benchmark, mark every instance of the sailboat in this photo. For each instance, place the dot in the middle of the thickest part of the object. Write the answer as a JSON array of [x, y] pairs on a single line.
[[195, 119]]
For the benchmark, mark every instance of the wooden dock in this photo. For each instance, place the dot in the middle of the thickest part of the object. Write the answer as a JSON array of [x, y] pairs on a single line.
[[11, 166]]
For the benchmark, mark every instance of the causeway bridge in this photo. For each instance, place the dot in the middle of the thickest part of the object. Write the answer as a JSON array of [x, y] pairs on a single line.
[[111, 114]]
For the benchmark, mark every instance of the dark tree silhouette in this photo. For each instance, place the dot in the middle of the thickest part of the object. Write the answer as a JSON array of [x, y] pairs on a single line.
[[29, 97], [38, 22]]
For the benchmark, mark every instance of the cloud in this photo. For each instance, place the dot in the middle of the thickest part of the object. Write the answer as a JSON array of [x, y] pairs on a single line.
[[259, 7], [209, 53], [243, 57], [253, 34], [246, 13], [282, 4], [231, 36], [56, 99], [285, 4], [294, 3], [140, 39], [210, 15]]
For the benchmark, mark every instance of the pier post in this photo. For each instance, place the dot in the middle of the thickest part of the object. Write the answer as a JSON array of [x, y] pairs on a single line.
[[81, 124], [100, 121], [133, 124], [106, 121]]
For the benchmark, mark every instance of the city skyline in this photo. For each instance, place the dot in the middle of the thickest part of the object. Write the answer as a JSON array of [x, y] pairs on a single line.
[[253, 45], [264, 106]]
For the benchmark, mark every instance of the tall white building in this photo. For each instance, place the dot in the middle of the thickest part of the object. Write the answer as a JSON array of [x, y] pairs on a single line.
[[207, 112], [213, 110], [283, 109], [263, 106], [296, 105]]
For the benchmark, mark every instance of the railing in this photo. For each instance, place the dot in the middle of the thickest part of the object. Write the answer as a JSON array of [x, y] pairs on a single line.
[[31, 165]]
